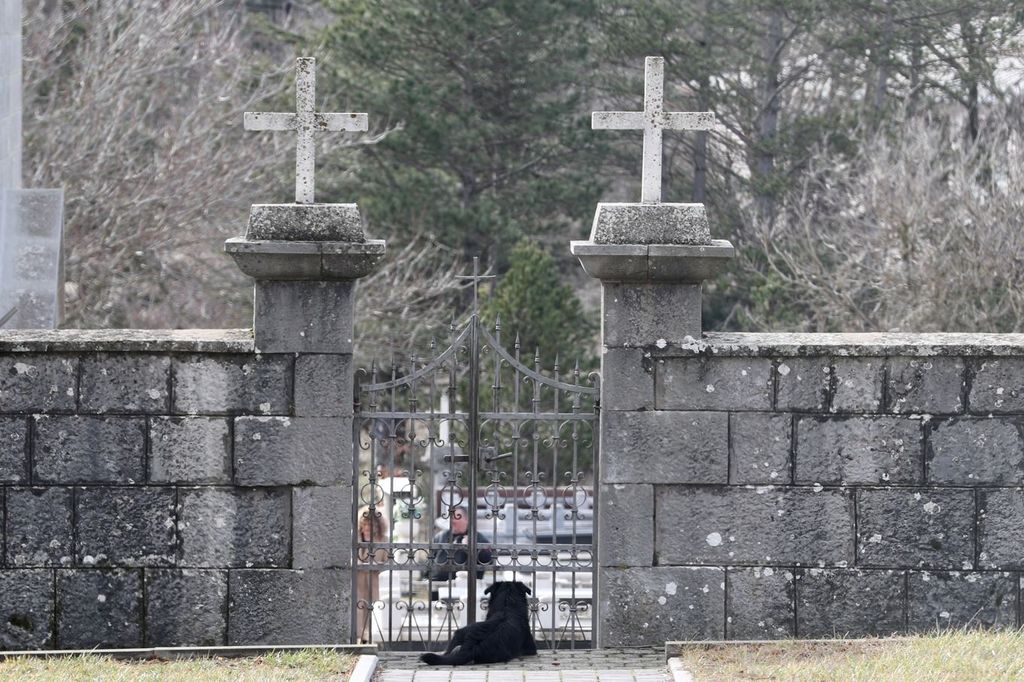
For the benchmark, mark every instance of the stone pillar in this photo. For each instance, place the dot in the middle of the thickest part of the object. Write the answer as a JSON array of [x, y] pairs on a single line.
[[305, 260], [10, 95], [651, 260]]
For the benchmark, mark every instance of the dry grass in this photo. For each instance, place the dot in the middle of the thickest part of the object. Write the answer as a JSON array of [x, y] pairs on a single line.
[[967, 656], [299, 665]]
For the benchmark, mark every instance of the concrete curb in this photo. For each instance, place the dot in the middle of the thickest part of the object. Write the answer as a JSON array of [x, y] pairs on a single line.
[[173, 653], [678, 672], [672, 648], [364, 669]]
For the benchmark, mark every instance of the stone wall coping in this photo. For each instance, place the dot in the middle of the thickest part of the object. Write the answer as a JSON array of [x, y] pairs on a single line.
[[774, 344], [127, 340]]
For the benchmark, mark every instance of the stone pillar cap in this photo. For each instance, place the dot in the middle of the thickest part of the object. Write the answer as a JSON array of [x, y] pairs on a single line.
[[305, 260], [632, 223], [305, 222], [680, 263]]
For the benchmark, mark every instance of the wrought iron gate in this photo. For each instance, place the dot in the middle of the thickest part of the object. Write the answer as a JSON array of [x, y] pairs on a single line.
[[473, 466]]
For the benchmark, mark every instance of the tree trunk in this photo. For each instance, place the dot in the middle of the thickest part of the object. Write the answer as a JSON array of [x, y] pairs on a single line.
[[883, 61], [768, 116], [915, 78], [700, 144], [971, 73]]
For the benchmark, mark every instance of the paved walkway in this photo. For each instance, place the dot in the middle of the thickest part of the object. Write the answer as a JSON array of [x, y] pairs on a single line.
[[583, 665]]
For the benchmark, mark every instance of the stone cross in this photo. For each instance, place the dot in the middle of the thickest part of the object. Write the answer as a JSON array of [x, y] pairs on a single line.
[[652, 120], [305, 122]]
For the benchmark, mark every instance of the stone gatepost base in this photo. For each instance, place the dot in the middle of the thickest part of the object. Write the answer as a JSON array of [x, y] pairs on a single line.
[[305, 260], [652, 260]]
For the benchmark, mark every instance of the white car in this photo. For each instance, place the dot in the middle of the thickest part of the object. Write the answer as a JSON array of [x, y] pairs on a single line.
[[554, 523]]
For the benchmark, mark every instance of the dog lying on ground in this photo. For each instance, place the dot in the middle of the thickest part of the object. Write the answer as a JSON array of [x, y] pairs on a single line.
[[504, 635]]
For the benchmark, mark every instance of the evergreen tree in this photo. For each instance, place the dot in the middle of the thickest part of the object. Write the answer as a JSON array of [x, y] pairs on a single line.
[[532, 303], [492, 100]]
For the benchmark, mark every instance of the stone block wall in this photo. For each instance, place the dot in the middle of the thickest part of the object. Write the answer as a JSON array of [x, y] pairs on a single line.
[[758, 486], [172, 488]]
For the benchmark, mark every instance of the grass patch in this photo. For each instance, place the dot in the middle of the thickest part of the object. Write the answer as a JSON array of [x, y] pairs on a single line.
[[953, 656], [312, 664]]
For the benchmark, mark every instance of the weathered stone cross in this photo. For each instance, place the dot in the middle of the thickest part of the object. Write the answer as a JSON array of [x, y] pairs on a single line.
[[305, 122], [652, 120]]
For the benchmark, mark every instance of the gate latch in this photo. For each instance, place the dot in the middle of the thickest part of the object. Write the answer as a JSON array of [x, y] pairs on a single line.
[[490, 454]]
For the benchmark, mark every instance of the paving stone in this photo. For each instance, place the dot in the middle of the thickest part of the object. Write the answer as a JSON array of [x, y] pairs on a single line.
[[88, 449], [849, 603], [222, 527], [125, 526], [189, 450], [464, 676], [921, 528], [627, 380], [803, 384], [303, 316], [287, 450], [39, 527], [665, 447], [762, 525], [713, 383], [926, 385], [99, 608], [759, 447], [998, 386], [432, 675], [323, 385], [614, 676], [232, 384], [643, 315], [650, 676], [125, 383], [760, 603], [1000, 519], [858, 384], [626, 513], [273, 606], [976, 452], [322, 527], [13, 450], [26, 609], [37, 383], [644, 606], [957, 600], [186, 607], [851, 450]]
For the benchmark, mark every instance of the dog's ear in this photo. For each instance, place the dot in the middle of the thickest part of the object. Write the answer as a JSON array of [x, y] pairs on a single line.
[[490, 587], [525, 588]]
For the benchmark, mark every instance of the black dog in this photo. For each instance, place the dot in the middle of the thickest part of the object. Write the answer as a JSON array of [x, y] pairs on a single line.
[[503, 636]]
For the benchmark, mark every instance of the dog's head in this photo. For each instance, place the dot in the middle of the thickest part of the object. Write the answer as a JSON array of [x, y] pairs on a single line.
[[507, 594]]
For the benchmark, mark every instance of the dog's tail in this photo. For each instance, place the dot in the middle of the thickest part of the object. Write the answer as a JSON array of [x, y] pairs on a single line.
[[458, 657]]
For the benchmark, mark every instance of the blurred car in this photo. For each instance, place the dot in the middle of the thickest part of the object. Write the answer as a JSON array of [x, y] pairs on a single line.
[[555, 523]]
